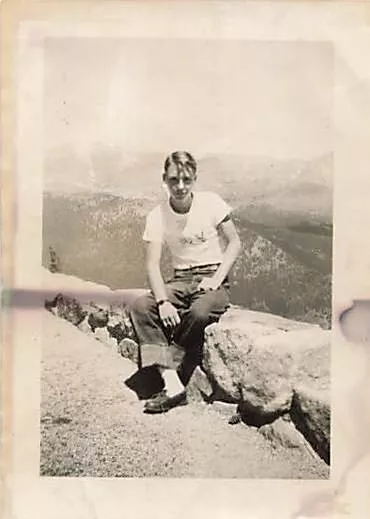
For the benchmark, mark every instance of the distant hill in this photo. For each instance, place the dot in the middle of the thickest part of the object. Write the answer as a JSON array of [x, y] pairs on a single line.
[[284, 268], [303, 195]]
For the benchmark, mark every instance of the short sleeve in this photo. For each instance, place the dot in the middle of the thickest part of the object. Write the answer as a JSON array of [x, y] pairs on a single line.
[[220, 209], [154, 227]]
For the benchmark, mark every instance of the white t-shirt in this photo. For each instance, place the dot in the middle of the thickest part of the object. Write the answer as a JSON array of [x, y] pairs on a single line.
[[192, 237]]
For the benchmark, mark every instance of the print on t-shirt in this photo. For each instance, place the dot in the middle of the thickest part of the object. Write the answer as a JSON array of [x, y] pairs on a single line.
[[193, 240]]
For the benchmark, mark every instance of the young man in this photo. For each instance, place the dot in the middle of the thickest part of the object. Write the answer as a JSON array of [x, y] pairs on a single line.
[[204, 245]]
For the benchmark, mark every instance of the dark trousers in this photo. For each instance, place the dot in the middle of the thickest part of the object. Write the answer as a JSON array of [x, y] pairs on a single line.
[[197, 309]]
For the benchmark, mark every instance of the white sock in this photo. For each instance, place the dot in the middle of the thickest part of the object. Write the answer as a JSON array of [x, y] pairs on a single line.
[[173, 384]]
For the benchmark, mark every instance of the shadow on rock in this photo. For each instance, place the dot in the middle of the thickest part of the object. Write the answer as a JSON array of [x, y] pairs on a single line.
[[255, 416]]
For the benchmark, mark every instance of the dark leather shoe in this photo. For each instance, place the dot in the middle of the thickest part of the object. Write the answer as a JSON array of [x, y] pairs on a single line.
[[157, 395], [163, 403]]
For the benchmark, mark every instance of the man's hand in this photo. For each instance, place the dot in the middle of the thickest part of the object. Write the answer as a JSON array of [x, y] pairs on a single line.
[[208, 284], [169, 315]]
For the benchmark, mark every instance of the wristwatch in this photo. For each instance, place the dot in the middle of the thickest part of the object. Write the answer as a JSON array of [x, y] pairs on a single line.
[[161, 302]]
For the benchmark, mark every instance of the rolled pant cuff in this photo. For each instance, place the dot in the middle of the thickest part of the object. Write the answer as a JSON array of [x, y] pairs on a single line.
[[165, 355]]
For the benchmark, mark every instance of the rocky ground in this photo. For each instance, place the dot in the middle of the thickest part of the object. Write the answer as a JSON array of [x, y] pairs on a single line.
[[93, 425]]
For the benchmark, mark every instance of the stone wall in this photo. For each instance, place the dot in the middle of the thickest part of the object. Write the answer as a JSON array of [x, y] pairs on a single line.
[[268, 366]]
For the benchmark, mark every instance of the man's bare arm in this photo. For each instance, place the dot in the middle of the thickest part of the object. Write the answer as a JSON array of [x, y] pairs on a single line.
[[153, 259], [167, 311], [227, 228]]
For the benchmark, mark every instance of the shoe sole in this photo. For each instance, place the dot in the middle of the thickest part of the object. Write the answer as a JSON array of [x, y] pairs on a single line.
[[161, 410]]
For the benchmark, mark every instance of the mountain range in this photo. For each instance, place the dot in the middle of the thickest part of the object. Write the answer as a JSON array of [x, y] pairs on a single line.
[[262, 185]]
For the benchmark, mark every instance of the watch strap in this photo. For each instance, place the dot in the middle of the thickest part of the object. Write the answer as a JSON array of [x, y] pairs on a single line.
[[161, 302]]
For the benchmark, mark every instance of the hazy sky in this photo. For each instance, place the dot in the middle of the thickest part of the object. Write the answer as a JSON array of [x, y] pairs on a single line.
[[207, 96]]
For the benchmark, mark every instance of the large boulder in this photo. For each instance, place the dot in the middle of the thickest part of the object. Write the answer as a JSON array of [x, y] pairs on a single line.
[[257, 359]]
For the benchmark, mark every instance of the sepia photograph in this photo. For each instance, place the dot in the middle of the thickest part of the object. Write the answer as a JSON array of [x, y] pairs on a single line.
[[187, 218], [184, 264]]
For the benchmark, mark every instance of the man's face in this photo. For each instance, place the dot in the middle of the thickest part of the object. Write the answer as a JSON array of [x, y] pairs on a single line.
[[180, 182]]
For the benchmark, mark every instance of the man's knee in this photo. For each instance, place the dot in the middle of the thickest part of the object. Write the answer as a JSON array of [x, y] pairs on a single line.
[[208, 309], [142, 305], [201, 312]]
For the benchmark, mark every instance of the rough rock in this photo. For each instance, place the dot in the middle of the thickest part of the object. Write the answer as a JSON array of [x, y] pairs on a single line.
[[282, 432], [310, 413], [84, 326], [199, 388], [129, 349], [117, 331], [67, 308], [256, 360], [119, 325], [107, 324], [98, 318]]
